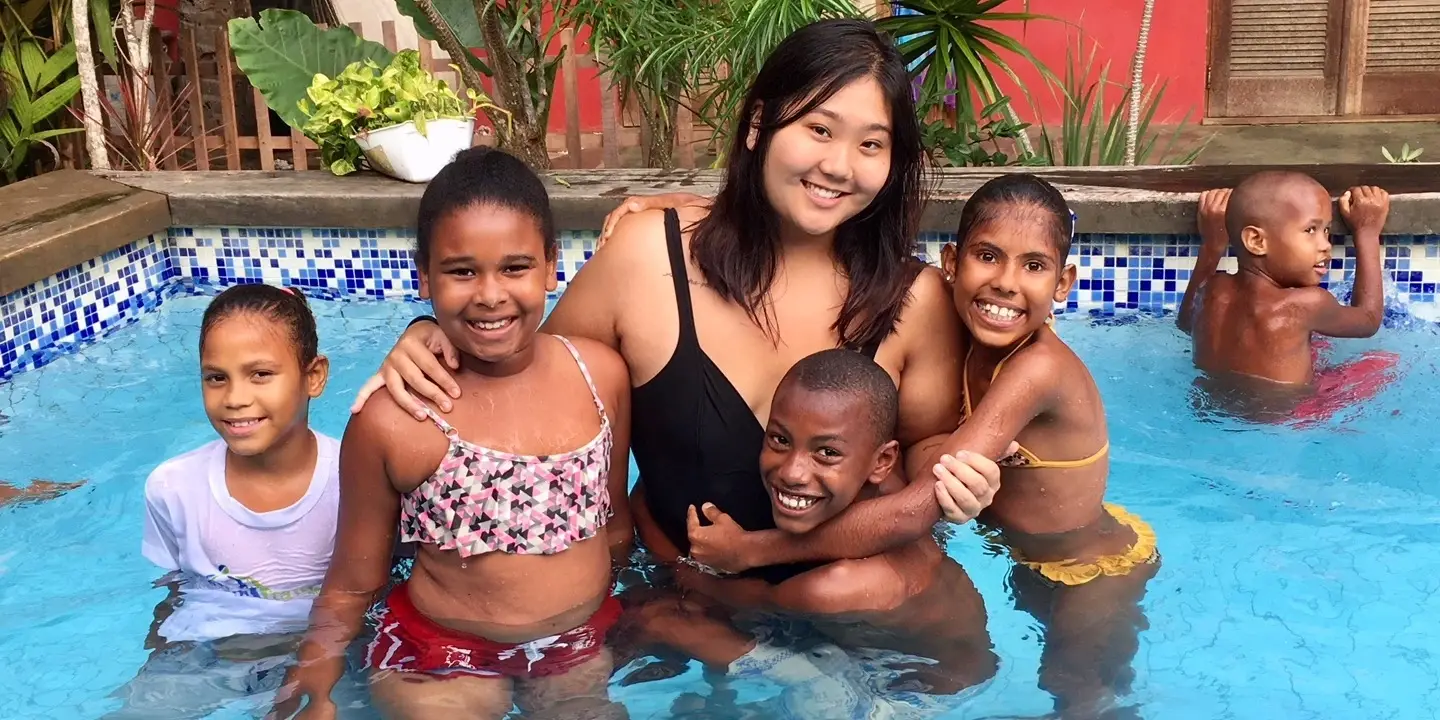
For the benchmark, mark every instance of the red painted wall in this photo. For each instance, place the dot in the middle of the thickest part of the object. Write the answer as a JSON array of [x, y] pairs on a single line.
[[1177, 53]]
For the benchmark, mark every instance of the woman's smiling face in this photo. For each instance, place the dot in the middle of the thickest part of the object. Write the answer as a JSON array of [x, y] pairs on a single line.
[[828, 165]]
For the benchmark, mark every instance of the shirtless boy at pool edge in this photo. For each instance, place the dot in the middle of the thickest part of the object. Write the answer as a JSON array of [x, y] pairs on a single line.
[[1252, 330], [830, 442]]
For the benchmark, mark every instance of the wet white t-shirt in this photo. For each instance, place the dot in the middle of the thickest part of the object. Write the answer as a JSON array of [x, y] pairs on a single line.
[[240, 572]]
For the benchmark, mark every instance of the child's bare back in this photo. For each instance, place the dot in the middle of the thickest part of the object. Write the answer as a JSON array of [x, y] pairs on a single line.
[[1254, 328]]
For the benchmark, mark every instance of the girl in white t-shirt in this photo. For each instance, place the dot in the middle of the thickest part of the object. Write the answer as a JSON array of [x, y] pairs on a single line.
[[245, 524]]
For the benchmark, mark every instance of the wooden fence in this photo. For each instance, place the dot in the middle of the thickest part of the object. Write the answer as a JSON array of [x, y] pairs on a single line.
[[237, 134]]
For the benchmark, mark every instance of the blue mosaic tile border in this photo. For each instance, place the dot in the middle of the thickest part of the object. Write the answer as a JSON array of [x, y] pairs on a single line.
[[82, 303], [1117, 273]]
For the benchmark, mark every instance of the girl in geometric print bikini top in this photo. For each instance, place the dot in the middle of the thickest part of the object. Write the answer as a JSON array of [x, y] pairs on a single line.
[[516, 502]]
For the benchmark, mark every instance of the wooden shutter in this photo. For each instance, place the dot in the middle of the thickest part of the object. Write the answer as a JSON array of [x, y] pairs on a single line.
[[1275, 58], [1401, 58]]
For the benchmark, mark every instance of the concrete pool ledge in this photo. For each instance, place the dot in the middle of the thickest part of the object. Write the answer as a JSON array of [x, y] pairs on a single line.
[[1131, 201], [57, 220]]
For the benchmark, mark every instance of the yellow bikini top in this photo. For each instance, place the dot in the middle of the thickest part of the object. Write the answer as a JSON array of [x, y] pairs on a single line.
[[1022, 458]]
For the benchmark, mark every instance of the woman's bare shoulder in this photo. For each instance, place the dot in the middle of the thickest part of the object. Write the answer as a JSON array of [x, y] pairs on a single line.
[[930, 309]]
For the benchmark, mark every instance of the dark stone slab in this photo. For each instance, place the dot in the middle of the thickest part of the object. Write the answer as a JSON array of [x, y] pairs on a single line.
[[1150, 200], [60, 219]]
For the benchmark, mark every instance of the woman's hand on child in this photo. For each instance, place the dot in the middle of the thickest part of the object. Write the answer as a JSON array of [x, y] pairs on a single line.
[[641, 203], [1365, 208], [1212, 216], [415, 361], [966, 485]]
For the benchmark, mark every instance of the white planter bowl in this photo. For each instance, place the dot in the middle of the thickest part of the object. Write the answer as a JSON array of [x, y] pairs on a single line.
[[400, 151]]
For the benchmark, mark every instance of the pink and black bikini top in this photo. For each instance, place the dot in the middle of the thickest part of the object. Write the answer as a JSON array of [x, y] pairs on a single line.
[[481, 500]]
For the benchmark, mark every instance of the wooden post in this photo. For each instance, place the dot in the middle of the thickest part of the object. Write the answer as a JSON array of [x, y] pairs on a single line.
[[685, 136], [387, 32], [609, 116], [164, 114], [226, 71], [196, 101], [262, 131], [570, 65]]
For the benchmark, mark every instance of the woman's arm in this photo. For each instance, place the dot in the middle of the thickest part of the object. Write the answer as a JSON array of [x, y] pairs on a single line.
[[360, 566]]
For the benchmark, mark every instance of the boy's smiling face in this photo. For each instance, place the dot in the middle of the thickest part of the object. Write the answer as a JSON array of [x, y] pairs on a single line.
[[820, 451]]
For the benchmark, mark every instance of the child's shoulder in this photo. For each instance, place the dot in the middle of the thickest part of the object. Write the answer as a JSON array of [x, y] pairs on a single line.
[[1047, 363], [185, 470]]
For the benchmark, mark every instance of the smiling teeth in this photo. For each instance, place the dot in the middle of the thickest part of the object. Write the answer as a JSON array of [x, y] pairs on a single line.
[[1000, 313], [241, 423], [795, 502], [498, 324], [821, 192]]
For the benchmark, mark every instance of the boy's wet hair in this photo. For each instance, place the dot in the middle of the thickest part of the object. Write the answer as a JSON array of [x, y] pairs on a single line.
[[847, 371], [1259, 201], [483, 176], [286, 306], [1012, 191]]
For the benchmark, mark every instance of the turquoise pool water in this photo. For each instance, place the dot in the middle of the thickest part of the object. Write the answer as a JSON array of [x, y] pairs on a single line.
[[1301, 567]]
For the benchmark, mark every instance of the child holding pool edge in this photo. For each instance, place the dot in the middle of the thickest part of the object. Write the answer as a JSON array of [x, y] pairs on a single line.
[[245, 523], [1253, 331], [505, 605]]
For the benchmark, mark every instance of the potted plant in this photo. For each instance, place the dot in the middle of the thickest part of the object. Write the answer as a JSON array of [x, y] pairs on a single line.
[[402, 120]]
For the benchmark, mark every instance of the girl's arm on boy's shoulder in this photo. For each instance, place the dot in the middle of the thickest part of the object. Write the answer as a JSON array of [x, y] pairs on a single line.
[[360, 566], [612, 381]]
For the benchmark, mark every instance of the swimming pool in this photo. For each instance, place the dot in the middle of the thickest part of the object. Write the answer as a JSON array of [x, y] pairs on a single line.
[[1301, 567]]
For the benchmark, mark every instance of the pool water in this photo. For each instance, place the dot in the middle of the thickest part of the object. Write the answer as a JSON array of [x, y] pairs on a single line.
[[1301, 569]]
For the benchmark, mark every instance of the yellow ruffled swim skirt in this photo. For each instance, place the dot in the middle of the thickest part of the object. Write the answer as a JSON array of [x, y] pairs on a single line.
[[1070, 572]]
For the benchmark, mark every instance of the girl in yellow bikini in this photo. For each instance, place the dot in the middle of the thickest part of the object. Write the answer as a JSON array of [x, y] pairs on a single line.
[[1081, 563]]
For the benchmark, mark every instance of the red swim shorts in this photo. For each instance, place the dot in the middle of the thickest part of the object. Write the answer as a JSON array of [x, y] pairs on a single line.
[[1342, 386], [407, 641]]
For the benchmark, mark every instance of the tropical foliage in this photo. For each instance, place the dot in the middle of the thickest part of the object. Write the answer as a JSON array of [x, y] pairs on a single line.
[[365, 97]]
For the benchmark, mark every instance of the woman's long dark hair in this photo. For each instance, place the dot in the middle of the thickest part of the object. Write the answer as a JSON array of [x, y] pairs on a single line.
[[737, 246]]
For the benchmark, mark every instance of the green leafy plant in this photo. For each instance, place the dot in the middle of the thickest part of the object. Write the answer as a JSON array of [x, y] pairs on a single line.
[[636, 47], [1092, 131], [283, 52], [953, 43], [1406, 154], [988, 142], [515, 39], [39, 86], [365, 97]]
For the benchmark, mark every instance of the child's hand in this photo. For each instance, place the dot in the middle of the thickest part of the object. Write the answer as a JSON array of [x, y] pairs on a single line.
[[1212, 217], [965, 486], [289, 696], [1365, 208], [722, 544]]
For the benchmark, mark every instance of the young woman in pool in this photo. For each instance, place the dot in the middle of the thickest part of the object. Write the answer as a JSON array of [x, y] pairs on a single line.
[[807, 247], [509, 499]]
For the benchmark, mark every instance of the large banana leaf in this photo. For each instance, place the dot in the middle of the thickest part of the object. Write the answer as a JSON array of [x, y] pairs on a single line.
[[281, 54], [459, 14]]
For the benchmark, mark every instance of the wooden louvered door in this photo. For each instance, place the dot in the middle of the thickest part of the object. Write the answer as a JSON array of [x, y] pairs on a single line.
[[1275, 58], [1398, 64]]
